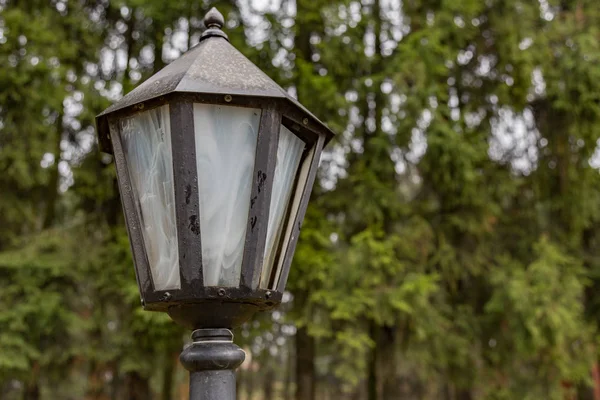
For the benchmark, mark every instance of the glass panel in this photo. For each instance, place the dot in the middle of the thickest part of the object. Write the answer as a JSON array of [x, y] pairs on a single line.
[[146, 141], [225, 151], [294, 206], [289, 152]]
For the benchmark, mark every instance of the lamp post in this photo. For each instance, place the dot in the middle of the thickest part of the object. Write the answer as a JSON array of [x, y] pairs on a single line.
[[215, 165]]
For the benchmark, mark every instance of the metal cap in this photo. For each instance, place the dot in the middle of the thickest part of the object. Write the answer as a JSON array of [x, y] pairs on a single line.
[[214, 19], [214, 22]]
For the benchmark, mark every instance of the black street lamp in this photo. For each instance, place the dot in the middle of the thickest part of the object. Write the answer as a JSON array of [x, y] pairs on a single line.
[[215, 164]]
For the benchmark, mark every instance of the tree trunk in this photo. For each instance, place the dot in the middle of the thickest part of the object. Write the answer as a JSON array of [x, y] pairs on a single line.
[[95, 383], [240, 376], [268, 383], [32, 392], [158, 49], [167, 374], [305, 368], [387, 363], [372, 392], [52, 194], [289, 374], [115, 384], [596, 379], [183, 390], [250, 381], [382, 383], [464, 394], [569, 390], [585, 392], [32, 386], [137, 387]]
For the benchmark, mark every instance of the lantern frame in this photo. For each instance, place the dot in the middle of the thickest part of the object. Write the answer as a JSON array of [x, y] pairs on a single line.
[[195, 305]]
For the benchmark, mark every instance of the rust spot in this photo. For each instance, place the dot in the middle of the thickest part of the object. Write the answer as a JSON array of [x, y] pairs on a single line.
[[262, 177], [188, 193], [194, 225]]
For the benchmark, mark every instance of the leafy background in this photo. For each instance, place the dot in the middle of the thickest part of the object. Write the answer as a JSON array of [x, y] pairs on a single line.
[[451, 247]]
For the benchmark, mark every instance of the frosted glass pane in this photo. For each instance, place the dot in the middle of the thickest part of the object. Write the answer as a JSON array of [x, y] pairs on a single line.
[[146, 141], [294, 206], [289, 152], [225, 151]]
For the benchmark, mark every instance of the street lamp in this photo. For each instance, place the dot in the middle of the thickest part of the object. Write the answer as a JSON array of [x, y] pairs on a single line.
[[215, 164]]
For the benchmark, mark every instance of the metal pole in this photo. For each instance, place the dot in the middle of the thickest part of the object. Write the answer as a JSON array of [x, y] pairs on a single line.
[[212, 359]]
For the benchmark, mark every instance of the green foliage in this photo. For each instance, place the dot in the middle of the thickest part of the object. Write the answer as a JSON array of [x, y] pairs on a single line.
[[39, 281], [537, 312], [451, 246]]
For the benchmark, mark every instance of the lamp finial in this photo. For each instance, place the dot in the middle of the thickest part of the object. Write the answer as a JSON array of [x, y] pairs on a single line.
[[214, 19]]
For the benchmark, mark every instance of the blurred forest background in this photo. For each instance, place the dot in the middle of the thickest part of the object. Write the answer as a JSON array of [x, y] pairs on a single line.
[[452, 247]]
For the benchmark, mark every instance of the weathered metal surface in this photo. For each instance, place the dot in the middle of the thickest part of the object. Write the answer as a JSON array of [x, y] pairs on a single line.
[[186, 196], [212, 359], [213, 66], [213, 21], [260, 197], [132, 215], [214, 314], [262, 298], [221, 68]]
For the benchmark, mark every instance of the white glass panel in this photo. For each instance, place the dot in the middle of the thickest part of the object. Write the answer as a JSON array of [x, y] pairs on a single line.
[[289, 152], [294, 206], [225, 151], [146, 141]]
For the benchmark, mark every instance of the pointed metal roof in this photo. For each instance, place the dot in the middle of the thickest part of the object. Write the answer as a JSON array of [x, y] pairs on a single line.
[[212, 66]]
